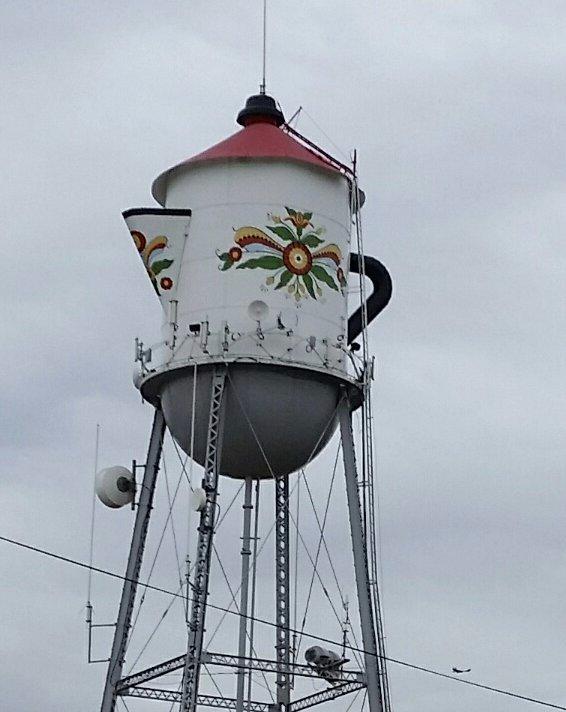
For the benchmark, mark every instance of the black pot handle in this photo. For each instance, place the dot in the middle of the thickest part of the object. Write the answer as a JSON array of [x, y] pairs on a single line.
[[377, 300]]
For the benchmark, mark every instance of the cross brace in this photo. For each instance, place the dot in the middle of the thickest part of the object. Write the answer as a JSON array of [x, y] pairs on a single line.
[[151, 673], [325, 696], [272, 666], [231, 661], [229, 703]]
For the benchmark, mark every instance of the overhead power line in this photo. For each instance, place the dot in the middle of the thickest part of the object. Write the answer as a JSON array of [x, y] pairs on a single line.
[[403, 663]]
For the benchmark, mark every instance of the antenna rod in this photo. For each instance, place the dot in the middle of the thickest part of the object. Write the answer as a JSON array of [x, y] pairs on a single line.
[[93, 513], [262, 85]]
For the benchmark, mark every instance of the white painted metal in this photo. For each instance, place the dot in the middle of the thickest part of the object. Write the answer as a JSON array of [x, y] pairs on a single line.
[[160, 240], [217, 309], [226, 196], [223, 197], [244, 589], [115, 486], [251, 380], [198, 499], [359, 550]]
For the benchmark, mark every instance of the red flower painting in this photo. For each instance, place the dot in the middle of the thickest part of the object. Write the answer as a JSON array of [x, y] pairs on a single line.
[[297, 256]]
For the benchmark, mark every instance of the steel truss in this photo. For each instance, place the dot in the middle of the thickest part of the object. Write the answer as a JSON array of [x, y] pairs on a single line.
[[230, 703], [325, 696], [196, 626], [226, 703], [135, 557], [342, 682], [366, 607], [235, 661], [272, 666], [282, 597], [151, 673], [245, 575]]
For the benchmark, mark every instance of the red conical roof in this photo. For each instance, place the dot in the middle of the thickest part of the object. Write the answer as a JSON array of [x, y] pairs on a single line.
[[260, 138]]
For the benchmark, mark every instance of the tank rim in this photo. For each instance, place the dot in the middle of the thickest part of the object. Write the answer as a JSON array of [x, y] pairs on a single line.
[[152, 383]]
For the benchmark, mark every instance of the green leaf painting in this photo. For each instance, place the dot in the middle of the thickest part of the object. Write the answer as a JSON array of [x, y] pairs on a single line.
[[148, 250], [286, 277], [311, 240], [282, 231], [307, 279], [266, 262], [321, 274], [160, 265], [299, 259]]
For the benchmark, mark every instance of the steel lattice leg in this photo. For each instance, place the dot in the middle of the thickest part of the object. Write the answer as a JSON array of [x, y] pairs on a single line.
[[204, 546], [137, 546], [365, 600], [282, 647], [244, 587]]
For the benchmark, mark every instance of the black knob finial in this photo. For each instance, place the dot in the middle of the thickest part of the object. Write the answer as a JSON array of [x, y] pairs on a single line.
[[260, 108]]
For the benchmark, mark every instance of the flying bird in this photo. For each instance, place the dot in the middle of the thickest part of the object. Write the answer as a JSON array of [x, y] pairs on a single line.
[[459, 671]]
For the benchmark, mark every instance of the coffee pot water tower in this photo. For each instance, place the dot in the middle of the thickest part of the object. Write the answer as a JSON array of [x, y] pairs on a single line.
[[250, 255]]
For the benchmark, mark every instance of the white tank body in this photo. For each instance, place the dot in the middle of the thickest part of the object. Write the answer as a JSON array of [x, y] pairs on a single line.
[[226, 200], [251, 265]]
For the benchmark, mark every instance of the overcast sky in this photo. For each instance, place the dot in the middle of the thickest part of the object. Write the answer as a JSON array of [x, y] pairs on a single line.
[[457, 109]]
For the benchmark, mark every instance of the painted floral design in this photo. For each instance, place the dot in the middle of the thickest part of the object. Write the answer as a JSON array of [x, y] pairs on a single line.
[[150, 252], [300, 260]]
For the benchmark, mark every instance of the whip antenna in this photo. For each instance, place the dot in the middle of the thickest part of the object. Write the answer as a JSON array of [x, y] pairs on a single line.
[[262, 85]]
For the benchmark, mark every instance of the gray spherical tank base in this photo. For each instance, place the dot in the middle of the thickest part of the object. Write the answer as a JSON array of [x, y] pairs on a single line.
[[276, 418]]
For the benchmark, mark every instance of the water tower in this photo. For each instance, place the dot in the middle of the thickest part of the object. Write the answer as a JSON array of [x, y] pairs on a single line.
[[250, 254]]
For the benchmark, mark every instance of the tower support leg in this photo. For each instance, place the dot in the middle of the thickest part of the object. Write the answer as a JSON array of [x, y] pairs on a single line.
[[244, 587], [282, 645], [204, 546], [365, 604], [135, 557]]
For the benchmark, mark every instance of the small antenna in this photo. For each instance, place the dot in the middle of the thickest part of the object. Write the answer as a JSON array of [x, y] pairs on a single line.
[[262, 85], [93, 513]]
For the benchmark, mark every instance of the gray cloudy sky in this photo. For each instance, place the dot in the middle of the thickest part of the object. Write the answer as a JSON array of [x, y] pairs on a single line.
[[457, 109]]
